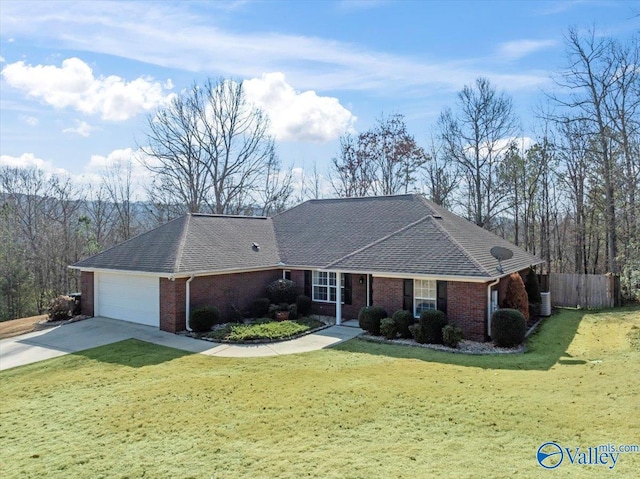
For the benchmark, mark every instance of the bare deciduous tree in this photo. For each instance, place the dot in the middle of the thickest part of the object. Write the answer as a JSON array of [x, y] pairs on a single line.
[[475, 137], [384, 160], [209, 148]]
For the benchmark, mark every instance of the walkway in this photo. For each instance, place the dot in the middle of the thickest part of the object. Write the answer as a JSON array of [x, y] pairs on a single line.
[[94, 332]]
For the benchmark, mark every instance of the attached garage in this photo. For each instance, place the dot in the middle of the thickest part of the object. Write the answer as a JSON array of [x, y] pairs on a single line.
[[130, 297]]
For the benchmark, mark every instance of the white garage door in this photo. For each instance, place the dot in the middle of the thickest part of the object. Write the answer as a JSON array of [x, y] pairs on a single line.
[[129, 297]]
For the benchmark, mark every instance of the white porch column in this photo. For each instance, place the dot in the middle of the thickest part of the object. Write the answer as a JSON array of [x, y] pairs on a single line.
[[338, 298]]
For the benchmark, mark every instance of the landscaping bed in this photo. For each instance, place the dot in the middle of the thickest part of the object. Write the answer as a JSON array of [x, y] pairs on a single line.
[[262, 330]]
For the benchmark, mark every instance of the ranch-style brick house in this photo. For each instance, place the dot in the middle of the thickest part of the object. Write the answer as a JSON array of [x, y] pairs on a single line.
[[398, 252]]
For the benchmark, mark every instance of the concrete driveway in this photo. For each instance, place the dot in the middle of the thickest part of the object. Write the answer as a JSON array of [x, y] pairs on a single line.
[[94, 332]]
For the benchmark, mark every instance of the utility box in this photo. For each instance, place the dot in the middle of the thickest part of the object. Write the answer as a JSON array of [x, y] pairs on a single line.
[[545, 306]]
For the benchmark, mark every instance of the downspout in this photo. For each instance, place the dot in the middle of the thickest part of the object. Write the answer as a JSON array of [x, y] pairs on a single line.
[[188, 302], [491, 285]]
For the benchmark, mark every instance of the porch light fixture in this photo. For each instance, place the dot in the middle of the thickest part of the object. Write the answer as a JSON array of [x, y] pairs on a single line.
[[361, 280]]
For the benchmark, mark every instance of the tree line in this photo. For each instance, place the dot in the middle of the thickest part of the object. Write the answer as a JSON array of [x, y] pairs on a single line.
[[569, 195]]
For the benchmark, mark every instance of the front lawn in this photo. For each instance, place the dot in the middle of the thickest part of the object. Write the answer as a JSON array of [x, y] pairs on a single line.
[[360, 410]]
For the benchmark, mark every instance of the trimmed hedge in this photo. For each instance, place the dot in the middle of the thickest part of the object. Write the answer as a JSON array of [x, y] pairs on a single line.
[[370, 317], [388, 328], [260, 307], [431, 323], [304, 305], [203, 319], [451, 335], [282, 291], [508, 327], [403, 319]]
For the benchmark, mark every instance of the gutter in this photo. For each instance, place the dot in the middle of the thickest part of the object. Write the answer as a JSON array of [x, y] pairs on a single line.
[[188, 302], [489, 286]]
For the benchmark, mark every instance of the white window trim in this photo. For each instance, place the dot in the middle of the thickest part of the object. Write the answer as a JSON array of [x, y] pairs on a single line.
[[314, 276], [417, 298]]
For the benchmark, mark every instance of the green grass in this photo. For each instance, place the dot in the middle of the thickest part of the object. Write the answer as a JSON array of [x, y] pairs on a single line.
[[264, 330], [361, 410]]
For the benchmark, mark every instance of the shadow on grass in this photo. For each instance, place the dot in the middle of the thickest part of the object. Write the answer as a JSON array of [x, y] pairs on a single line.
[[133, 353], [545, 348]]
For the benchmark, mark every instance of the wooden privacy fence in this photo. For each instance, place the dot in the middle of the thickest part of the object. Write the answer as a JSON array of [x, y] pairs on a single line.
[[584, 290]]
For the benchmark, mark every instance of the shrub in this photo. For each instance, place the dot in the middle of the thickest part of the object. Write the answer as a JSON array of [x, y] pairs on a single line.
[[203, 319], [388, 328], [516, 295], [60, 308], [282, 291], [403, 319], [304, 305], [431, 322], [273, 309], [417, 333], [451, 335], [533, 287], [369, 319], [508, 327], [260, 307], [293, 312]]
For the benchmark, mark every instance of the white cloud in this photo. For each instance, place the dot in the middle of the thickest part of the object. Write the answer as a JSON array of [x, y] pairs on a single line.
[[29, 160], [29, 120], [298, 116], [521, 48], [93, 172], [82, 128], [73, 85], [177, 36]]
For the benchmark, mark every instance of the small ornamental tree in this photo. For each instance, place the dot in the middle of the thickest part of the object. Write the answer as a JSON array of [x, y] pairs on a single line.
[[282, 291], [516, 295]]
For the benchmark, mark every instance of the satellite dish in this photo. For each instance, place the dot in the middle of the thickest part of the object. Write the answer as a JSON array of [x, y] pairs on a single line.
[[500, 253]]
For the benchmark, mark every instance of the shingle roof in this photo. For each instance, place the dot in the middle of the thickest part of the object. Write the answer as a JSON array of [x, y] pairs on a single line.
[[403, 234], [194, 243]]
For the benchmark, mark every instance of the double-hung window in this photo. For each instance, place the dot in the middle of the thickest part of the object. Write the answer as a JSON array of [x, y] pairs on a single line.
[[325, 286], [425, 295]]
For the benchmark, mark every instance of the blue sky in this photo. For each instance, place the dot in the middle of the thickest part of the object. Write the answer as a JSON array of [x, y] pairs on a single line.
[[79, 78]]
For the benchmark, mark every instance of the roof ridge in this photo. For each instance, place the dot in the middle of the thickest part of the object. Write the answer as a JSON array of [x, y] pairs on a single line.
[[459, 246], [183, 240], [380, 240]]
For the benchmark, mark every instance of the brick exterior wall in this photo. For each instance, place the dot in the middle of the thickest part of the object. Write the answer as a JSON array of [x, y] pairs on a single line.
[[349, 311], [173, 305], [231, 291], [467, 307], [388, 293], [87, 290]]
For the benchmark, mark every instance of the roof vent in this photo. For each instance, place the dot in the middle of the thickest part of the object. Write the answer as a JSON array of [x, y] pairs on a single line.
[[255, 247], [437, 217]]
